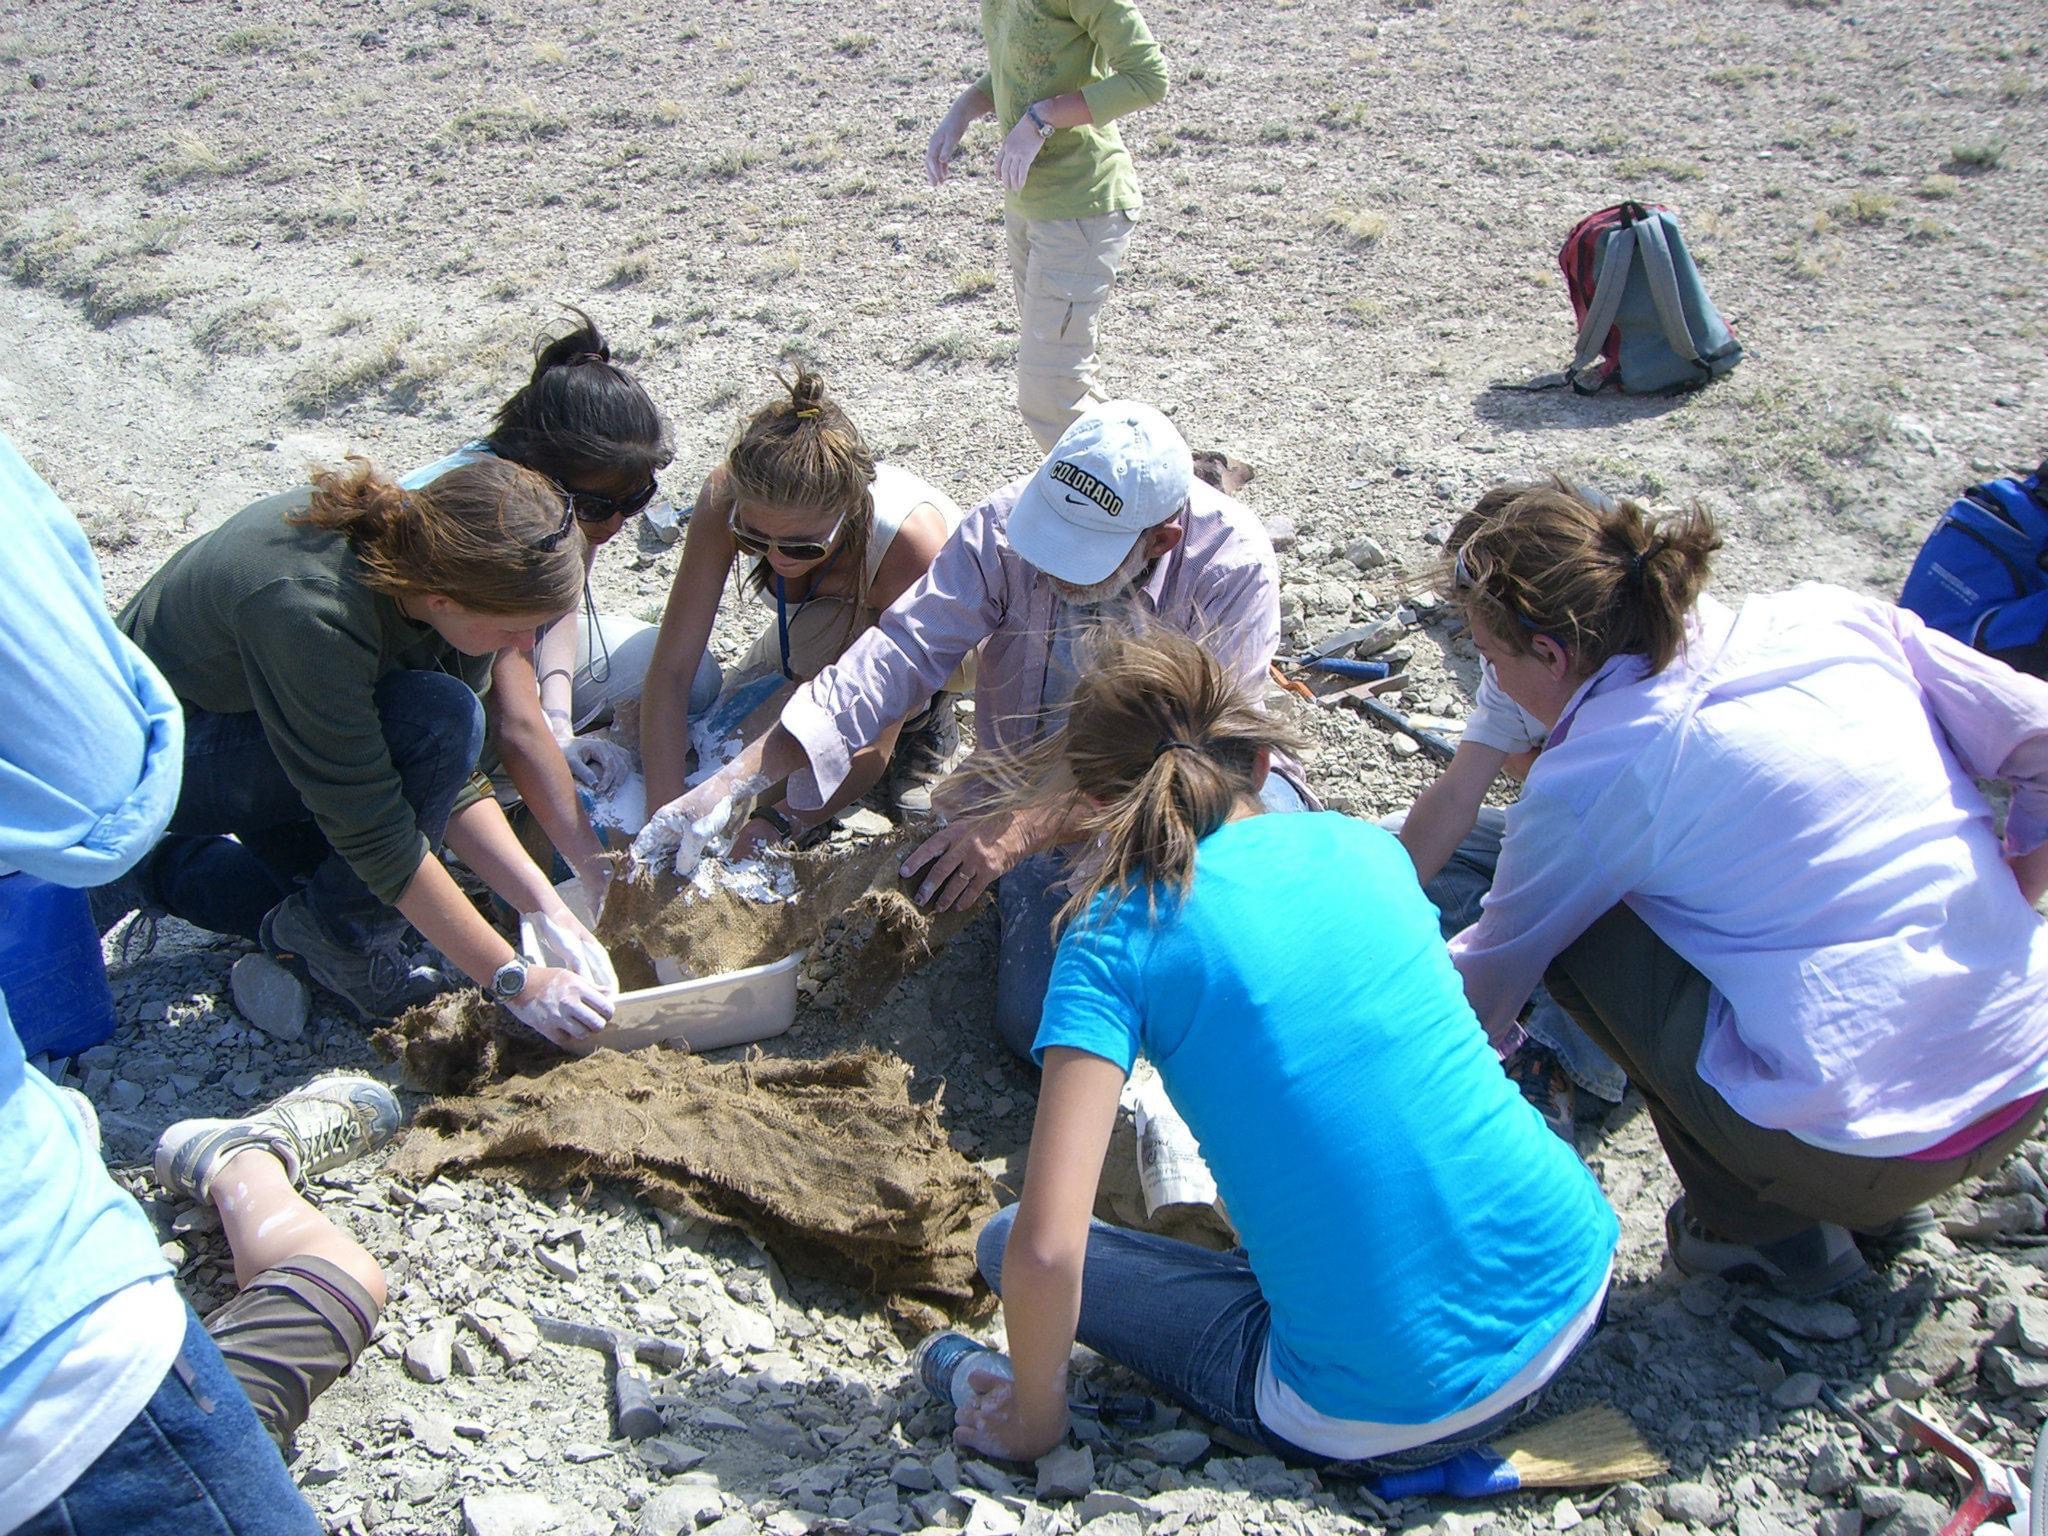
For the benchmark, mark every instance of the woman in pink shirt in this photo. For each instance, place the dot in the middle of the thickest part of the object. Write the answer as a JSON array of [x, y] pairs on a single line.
[[1754, 864]]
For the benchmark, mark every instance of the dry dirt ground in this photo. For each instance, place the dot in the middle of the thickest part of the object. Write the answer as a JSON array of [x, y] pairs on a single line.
[[237, 237]]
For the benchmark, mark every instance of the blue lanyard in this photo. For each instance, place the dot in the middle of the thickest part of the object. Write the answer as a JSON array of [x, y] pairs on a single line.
[[783, 615]]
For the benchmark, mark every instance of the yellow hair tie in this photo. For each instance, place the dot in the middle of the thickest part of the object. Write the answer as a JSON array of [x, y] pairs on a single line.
[[804, 413]]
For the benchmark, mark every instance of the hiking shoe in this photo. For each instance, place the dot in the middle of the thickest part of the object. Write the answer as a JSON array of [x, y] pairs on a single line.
[[1816, 1262], [1901, 1234], [923, 756], [330, 1121], [379, 984], [1543, 1081]]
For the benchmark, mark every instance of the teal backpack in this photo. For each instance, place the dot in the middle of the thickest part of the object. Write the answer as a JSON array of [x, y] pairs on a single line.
[[1643, 312]]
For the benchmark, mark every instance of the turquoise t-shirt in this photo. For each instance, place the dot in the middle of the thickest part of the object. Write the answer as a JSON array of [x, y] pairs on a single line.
[[1417, 1231]]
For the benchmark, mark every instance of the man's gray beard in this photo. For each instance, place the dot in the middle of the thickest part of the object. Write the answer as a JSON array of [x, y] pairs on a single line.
[[1133, 572]]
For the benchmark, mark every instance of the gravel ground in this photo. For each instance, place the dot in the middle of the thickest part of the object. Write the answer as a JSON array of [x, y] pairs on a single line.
[[240, 237]]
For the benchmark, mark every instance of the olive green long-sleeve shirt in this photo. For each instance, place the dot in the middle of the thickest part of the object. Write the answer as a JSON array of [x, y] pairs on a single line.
[[265, 616], [1101, 48]]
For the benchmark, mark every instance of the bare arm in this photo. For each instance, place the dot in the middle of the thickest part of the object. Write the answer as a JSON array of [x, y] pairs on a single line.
[[969, 107], [532, 755], [685, 630], [1048, 1248], [554, 661], [1443, 814]]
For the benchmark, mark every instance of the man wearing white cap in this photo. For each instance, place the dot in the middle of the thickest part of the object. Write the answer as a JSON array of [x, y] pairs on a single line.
[[1115, 513]]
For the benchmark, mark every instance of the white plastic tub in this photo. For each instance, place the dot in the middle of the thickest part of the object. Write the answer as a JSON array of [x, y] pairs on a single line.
[[731, 1009]]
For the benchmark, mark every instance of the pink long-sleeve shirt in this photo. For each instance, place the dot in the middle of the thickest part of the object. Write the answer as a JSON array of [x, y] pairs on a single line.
[[1791, 805], [1219, 584]]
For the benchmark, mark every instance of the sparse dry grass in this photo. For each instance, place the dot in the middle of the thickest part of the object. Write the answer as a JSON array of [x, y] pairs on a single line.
[[188, 157], [1985, 156], [1939, 186], [1360, 227], [507, 121], [971, 283], [247, 42], [347, 378]]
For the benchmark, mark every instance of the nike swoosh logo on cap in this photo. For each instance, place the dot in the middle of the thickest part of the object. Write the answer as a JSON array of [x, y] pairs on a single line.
[[1075, 501]]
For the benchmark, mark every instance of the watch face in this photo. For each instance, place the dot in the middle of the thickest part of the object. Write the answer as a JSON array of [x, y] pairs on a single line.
[[510, 980]]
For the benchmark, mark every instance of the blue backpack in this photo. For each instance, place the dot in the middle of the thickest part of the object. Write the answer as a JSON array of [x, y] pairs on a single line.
[[1982, 575]]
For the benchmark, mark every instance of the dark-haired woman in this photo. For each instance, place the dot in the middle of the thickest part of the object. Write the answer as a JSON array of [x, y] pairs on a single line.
[[330, 647], [835, 538], [1752, 861], [1421, 1257], [588, 425]]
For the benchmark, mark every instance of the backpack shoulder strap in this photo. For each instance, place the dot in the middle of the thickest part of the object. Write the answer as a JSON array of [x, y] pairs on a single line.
[[1663, 278], [1621, 247]]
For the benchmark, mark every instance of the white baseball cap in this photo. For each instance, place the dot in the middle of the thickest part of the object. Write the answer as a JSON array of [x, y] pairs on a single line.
[[1119, 470]]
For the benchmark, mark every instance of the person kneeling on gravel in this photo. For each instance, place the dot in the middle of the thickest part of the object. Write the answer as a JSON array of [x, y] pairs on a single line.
[[1752, 862], [1420, 1256], [1114, 521], [118, 1410], [1454, 838], [588, 425], [329, 647], [834, 538]]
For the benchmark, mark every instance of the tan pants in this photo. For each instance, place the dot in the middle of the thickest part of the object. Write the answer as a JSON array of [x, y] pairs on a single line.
[[1062, 271]]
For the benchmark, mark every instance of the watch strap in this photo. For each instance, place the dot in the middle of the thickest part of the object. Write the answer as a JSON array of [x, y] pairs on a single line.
[[1044, 128], [775, 818]]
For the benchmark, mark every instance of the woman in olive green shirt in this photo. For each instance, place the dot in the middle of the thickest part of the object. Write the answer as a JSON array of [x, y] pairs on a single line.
[[1060, 72], [330, 647]]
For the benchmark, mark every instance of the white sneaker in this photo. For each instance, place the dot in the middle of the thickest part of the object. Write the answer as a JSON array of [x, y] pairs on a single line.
[[330, 1121]]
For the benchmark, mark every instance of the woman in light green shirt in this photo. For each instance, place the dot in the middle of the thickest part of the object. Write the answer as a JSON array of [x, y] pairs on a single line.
[[1060, 72]]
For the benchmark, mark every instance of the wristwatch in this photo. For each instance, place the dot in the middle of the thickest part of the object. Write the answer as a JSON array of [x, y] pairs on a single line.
[[509, 980], [1038, 120]]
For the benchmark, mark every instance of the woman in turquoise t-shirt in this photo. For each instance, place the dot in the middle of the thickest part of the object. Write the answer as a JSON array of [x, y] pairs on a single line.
[[1420, 1255]]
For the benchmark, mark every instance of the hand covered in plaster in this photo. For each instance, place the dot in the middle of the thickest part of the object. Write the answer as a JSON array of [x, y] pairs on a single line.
[[561, 1005], [577, 947], [599, 765]]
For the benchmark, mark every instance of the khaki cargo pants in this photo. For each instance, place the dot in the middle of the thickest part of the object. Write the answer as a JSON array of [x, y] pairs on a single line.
[[1062, 270]]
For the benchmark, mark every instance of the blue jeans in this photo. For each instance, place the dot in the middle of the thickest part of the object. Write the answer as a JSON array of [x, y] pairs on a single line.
[[1027, 898], [234, 784], [1194, 1323], [194, 1462], [1457, 892]]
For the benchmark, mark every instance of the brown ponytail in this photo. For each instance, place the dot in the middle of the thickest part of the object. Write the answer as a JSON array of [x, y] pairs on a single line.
[[489, 535], [802, 452], [1160, 746], [1602, 577]]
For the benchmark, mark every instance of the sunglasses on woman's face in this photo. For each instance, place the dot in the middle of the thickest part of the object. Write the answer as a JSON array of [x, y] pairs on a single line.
[[589, 507], [802, 550]]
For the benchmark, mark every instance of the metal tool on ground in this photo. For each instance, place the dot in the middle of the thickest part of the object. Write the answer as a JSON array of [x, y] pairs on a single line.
[[1768, 1339], [1587, 1449], [1437, 746], [1355, 640], [634, 1415], [1986, 1482]]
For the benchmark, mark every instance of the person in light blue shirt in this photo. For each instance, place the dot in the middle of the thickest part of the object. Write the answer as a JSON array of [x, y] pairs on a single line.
[[118, 1412], [1420, 1255]]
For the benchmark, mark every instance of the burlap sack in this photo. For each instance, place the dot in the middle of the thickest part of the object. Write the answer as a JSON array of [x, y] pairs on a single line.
[[830, 1164]]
